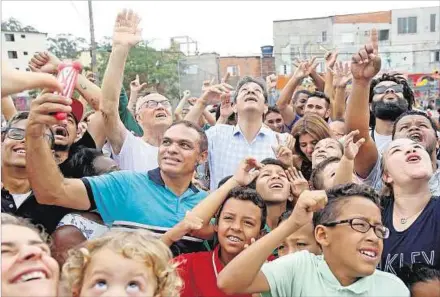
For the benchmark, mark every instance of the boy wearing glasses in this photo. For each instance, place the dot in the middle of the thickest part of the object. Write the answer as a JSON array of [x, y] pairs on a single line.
[[349, 229]]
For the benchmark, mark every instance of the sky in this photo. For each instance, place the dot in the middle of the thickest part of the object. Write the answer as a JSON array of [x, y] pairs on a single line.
[[225, 27]]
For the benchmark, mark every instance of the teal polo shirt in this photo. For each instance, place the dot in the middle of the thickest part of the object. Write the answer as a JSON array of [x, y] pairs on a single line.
[[140, 198], [305, 274]]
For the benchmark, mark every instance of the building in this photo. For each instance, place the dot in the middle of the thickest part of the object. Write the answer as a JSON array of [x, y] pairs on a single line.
[[19, 47], [409, 39]]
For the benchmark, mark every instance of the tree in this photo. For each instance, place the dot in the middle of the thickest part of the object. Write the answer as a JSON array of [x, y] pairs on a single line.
[[157, 68], [15, 25], [66, 46]]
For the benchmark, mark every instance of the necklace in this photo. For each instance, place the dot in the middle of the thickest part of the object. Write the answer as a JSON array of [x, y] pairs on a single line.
[[403, 221]]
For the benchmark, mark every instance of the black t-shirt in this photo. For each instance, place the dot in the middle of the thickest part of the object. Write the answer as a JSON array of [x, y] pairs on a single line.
[[420, 243], [86, 141]]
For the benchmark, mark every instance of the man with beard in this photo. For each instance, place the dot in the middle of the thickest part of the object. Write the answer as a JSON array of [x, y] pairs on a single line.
[[411, 124], [390, 96]]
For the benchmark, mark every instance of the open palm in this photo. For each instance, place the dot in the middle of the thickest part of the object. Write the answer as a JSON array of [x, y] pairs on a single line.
[[126, 31]]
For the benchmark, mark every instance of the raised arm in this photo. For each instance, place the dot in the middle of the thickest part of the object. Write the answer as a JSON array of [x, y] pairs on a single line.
[[344, 172], [126, 34], [365, 65], [8, 108], [341, 77], [330, 60], [135, 88], [243, 275], [181, 105], [47, 182]]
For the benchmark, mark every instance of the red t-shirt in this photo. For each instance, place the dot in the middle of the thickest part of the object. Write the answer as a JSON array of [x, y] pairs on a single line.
[[197, 271]]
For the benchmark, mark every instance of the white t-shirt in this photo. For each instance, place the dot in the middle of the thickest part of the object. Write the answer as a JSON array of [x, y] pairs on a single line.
[[381, 141], [20, 198], [136, 155]]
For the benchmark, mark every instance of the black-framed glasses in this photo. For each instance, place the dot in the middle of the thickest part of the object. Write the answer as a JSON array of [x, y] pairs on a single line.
[[363, 226], [20, 134], [382, 89], [154, 104]]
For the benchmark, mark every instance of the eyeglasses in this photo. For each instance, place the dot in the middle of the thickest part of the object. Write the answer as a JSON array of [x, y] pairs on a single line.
[[382, 89], [363, 226], [19, 134], [154, 104]]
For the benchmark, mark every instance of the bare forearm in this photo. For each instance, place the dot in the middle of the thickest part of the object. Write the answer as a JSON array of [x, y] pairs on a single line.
[[195, 112], [240, 273], [344, 172], [8, 108], [339, 106], [209, 117], [287, 92], [319, 81], [89, 91], [179, 107], [328, 90], [357, 110], [132, 102]]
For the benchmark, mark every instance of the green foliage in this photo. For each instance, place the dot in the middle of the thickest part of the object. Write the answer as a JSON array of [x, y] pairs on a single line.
[[157, 68], [15, 25], [66, 46]]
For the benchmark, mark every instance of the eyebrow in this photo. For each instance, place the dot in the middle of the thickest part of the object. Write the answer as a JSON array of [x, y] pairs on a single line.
[[30, 242]]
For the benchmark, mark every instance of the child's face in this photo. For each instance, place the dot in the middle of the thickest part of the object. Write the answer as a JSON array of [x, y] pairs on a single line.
[[428, 288], [111, 274], [238, 223], [272, 184], [345, 247], [303, 239]]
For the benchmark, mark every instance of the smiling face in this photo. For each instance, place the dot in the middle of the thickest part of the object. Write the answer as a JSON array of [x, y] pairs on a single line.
[[154, 111], [417, 128], [179, 152], [274, 121], [406, 161], [238, 222], [65, 134], [300, 103], [317, 106], [324, 149], [121, 276], [303, 239], [390, 104], [352, 253], [250, 98], [272, 184], [27, 267], [14, 150]]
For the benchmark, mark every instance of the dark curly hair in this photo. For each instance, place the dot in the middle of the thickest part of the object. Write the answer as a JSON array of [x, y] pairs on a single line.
[[246, 194], [339, 195], [418, 272]]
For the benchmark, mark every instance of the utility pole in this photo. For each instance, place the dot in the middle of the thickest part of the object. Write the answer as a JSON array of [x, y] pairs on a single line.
[[92, 40]]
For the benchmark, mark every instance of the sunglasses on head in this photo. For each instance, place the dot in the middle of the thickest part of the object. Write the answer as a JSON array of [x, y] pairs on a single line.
[[382, 89]]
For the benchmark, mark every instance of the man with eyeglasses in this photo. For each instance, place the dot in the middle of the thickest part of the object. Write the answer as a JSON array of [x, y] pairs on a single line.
[[153, 113], [349, 229], [17, 196]]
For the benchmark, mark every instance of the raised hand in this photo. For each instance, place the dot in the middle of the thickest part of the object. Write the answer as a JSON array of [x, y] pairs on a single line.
[[186, 93], [136, 86], [225, 78], [308, 203], [44, 62], [330, 59], [226, 107], [215, 93], [298, 183], [271, 81], [127, 31], [351, 148], [282, 152], [247, 171], [305, 68], [366, 62], [341, 75]]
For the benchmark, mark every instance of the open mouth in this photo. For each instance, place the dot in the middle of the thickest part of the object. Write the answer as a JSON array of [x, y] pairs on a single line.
[[30, 276], [161, 115], [251, 99], [276, 186], [61, 131], [233, 238], [417, 137], [413, 158], [321, 156], [369, 254], [20, 151], [171, 159]]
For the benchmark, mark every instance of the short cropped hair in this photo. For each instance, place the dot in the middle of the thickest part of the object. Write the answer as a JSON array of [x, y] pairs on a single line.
[[297, 93], [418, 273], [316, 177], [339, 195], [20, 116], [410, 113], [321, 95], [203, 141], [8, 219], [267, 161], [248, 79], [246, 194]]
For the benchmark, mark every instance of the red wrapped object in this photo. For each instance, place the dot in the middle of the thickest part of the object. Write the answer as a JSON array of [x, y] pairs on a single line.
[[67, 76]]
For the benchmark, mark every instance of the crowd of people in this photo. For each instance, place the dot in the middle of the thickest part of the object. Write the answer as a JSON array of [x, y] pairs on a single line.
[[244, 190]]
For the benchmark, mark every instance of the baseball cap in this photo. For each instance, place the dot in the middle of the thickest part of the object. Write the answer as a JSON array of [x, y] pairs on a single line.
[[77, 109]]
